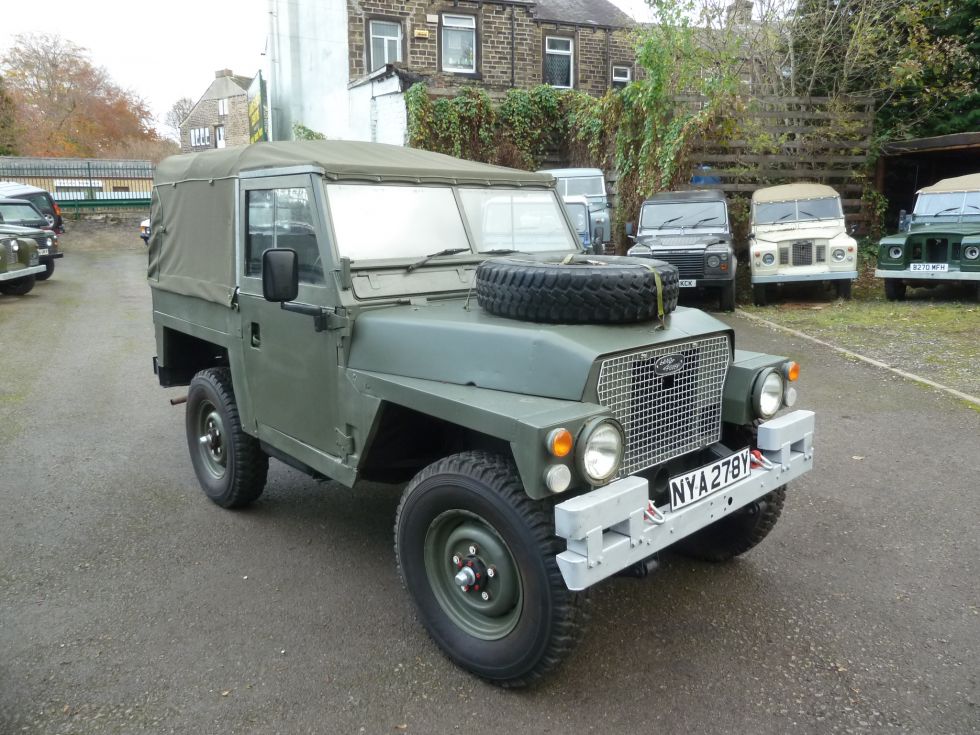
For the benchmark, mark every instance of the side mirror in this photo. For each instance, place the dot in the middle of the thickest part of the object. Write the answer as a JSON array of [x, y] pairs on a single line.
[[853, 228], [904, 221], [280, 275], [628, 229], [597, 234]]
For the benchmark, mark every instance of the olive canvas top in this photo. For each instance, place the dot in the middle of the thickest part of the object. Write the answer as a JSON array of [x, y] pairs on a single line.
[[792, 192], [192, 221], [970, 182]]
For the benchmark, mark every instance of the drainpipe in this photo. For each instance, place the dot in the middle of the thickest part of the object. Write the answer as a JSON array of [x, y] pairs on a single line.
[[513, 34]]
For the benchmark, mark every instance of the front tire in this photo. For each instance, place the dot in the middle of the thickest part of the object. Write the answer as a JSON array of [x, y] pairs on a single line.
[[894, 289], [726, 298], [725, 539], [469, 511], [48, 271], [760, 295], [229, 464], [843, 290], [18, 286]]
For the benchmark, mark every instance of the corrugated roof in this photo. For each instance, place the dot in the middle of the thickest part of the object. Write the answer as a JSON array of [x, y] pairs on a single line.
[[970, 182], [341, 159], [583, 12], [790, 192]]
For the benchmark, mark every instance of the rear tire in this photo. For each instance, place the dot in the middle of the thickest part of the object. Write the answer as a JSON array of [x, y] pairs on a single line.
[[843, 290], [229, 464], [48, 271], [736, 534], [18, 286], [473, 506], [894, 289]]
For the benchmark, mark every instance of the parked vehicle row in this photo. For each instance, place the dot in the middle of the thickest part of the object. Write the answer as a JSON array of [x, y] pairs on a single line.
[[29, 226]]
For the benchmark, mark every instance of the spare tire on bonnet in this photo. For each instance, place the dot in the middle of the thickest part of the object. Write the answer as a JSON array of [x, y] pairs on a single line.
[[578, 289]]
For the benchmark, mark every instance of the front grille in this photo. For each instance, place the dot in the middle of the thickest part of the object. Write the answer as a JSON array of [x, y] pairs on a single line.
[[784, 256], [821, 254], [665, 416], [937, 250], [689, 265], [803, 252]]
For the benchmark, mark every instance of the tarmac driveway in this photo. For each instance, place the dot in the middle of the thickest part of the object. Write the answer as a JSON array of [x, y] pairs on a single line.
[[130, 604]]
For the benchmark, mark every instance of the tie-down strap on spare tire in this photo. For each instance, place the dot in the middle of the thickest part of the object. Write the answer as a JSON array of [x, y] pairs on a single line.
[[577, 289]]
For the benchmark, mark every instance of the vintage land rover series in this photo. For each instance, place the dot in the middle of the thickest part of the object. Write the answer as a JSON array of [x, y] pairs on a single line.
[[371, 312], [19, 265], [942, 241]]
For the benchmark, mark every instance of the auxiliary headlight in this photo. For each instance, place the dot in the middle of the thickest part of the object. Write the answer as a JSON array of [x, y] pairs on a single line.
[[895, 252], [971, 252], [600, 451], [768, 259], [838, 254], [767, 396]]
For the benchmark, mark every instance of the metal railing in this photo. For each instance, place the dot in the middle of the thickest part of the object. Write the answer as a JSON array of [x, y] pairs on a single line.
[[84, 183]]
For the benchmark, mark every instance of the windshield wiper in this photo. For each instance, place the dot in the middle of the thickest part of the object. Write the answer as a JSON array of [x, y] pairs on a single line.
[[788, 214], [943, 211], [706, 219], [668, 221], [498, 251], [809, 214], [422, 261]]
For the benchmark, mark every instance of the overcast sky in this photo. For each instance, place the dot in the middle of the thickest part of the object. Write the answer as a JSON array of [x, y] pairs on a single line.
[[164, 51]]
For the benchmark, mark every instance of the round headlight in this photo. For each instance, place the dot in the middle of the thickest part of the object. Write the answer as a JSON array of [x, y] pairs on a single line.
[[48, 242], [768, 259], [601, 452], [15, 248], [895, 252], [838, 254], [971, 252], [768, 394], [713, 261]]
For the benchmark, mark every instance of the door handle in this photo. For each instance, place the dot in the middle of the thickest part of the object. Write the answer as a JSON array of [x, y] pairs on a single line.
[[255, 335]]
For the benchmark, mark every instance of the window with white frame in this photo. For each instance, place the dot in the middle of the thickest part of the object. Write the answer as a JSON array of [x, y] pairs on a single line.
[[459, 43], [223, 106], [219, 136], [621, 76], [200, 137], [386, 43], [559, 58]]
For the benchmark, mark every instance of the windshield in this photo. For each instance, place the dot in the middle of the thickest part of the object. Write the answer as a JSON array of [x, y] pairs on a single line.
[[11, 213], [954, 204], [676, 215], [579, 215], [511, 219], [587, 186], [406, 221], [797, 211]]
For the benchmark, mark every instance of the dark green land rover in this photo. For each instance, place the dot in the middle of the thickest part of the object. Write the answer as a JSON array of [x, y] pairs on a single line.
[[365, 312], [941, 244]]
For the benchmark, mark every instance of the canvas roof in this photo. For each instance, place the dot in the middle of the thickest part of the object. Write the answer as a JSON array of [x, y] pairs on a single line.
[[342, 160], [790, 192], [970, 182]]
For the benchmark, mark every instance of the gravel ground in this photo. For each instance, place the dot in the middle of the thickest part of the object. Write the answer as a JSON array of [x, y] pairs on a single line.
[[130, 604]]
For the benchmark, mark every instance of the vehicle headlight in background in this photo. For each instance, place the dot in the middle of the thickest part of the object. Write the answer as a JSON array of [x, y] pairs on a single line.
[[48, 242], [971, 252], [767, 396], [768, 259], [838, 254], [895, 252], [601, 451]]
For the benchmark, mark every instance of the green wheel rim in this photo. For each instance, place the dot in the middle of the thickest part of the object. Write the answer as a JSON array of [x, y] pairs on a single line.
[[211, 439], [455, 533]]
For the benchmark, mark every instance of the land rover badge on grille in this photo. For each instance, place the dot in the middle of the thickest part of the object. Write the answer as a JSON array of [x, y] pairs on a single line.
[[668, 364]]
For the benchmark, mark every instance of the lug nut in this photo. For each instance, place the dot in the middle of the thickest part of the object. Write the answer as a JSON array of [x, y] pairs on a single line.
[[485, 595], [473, 550], [492, 572], [456, 559]]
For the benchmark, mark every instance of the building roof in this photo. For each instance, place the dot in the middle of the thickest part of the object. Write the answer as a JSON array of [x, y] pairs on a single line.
[[343, 160], [970, 182], [582, 12], [791, 192]]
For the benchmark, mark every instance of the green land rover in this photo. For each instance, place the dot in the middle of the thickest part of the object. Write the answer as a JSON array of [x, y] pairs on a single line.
[[19, 265], [942, 244], [365, 312]]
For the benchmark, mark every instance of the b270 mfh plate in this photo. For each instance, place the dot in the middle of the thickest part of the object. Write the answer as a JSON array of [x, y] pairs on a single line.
[[704, 481], [687, 283], [932, 267]]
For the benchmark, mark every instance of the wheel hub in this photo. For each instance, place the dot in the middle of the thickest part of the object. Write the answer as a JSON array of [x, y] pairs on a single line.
[[211, 440]]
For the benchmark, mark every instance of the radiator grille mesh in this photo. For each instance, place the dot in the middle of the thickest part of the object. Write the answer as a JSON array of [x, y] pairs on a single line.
[[665, 416]]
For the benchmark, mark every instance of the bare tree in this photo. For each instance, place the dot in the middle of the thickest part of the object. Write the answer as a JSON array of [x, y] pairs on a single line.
[[177, 113]]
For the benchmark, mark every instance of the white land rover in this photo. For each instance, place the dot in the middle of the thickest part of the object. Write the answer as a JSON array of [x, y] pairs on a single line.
[[798, 234]]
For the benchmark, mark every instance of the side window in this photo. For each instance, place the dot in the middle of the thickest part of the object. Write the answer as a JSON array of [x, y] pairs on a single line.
[[282, 218]]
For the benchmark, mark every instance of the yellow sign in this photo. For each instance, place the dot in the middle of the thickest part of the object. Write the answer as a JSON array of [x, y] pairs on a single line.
[[421, 33]]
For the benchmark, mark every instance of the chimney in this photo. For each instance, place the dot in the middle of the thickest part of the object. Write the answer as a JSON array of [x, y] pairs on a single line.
[[227, 72], [739, 12]]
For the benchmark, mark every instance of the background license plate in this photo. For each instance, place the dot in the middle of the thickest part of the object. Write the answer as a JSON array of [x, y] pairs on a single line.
[[940, 267], [42, 251], [692, 486], [687, 283]]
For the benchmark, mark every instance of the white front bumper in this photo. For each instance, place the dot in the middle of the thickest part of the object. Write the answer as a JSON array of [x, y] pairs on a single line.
[[606, 530]]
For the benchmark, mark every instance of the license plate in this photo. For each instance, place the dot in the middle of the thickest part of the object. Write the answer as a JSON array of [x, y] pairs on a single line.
[[687, 283], [931, 267], [42, 251], [704, 481]]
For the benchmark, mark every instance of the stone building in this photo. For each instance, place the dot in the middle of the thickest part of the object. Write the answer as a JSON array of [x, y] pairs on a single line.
[[341, 68], [220, 117]]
